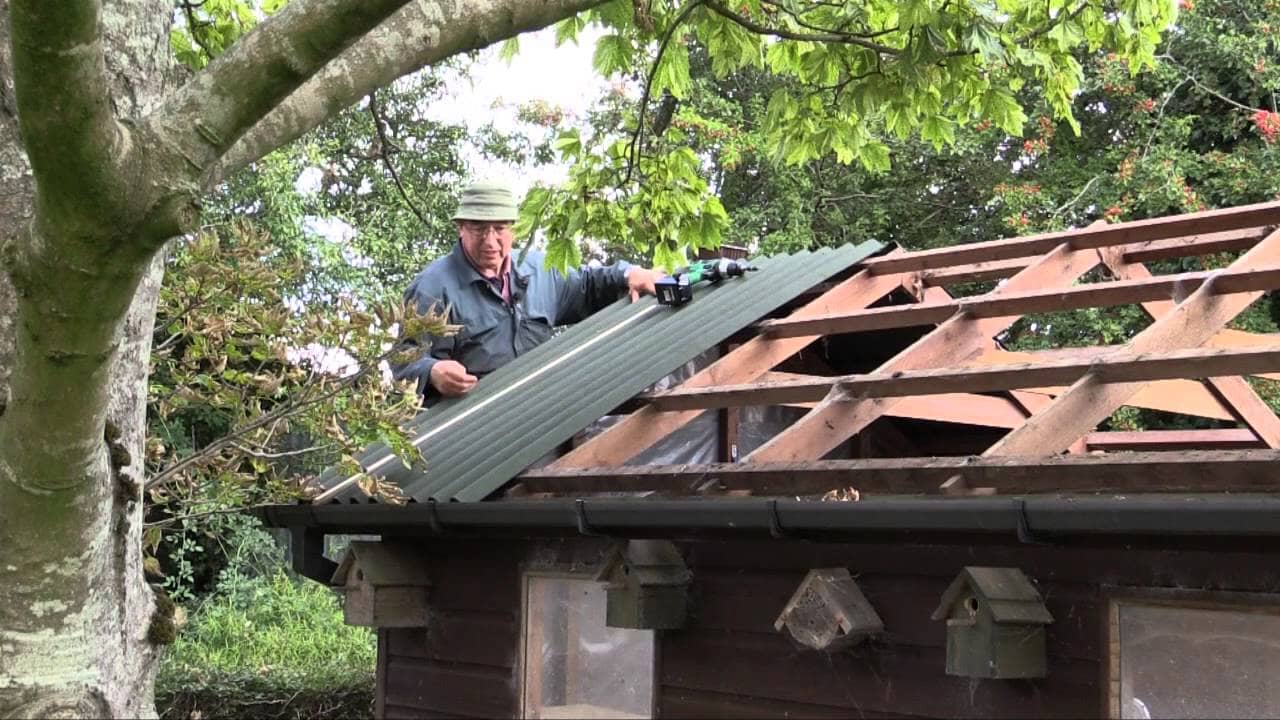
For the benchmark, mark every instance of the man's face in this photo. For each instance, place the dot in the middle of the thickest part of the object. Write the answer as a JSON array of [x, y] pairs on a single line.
[[487, 243]]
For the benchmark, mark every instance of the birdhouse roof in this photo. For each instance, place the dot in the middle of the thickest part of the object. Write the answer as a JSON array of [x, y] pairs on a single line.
[[1005, 592], [648, 562], [382, 564]]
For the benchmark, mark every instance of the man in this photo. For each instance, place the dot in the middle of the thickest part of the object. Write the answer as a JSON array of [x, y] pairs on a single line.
[[503, 311]]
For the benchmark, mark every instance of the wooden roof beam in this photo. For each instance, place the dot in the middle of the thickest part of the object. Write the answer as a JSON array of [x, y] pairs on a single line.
[[1234, 392], [1120, 366], [1189, 471], [1094, 236], [643, 428], [1119, 292], [834, 419], [1189, 246], [1091, 399], [1167, 440]]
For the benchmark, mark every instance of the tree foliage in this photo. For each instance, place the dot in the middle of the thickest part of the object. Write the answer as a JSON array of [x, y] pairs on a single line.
[[844, 81]]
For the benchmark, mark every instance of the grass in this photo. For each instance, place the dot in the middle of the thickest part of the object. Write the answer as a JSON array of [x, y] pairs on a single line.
[[273, 646]]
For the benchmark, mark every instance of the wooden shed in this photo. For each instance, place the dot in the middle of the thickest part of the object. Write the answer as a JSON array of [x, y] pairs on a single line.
[[922, 465]]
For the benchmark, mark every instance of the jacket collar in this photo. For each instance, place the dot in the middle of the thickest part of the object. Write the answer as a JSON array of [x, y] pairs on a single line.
[[463, 267], [469, 274]]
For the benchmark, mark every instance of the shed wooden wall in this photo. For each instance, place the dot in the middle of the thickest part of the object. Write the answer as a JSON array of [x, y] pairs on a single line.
[[464, 664], [730, 662]]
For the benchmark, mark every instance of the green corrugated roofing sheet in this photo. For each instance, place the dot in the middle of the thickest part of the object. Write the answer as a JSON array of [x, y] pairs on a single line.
[[475, 444]]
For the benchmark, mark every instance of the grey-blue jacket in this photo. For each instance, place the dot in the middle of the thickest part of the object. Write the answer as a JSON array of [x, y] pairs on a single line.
[[494, 333]]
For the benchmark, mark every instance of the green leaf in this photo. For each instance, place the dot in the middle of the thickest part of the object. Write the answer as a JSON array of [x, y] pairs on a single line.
[[672, 73], [986, 43], [897, 121], [616, 13], [510, 48], [563, 254], [569, 144], [1002, 109], [613, 54], [667, 257], [875, 157], [938, 130], [568, 29]]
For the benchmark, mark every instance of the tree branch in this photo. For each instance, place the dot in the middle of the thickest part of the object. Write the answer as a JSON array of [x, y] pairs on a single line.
[[174, 520], [1146, 148], [1053, 22], [64, 107], [379, 125], [407, 42], [189, 11], [633, 151], [827, 37], [241, 86], [285, 411], [1079, 195], [1203, 88], [799, 19]]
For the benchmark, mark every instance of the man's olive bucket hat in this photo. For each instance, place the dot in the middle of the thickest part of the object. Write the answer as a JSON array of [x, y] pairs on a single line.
[[488, 201]]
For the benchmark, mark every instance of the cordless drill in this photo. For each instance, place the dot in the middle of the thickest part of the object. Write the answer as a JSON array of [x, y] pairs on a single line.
[[677, 288]]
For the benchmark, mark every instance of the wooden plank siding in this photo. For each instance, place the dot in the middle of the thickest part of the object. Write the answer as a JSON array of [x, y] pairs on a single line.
[[464, 663], [729, 662]]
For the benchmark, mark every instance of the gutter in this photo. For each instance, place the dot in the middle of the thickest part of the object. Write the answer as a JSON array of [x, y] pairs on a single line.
[[1192, 514], [1033, 519]]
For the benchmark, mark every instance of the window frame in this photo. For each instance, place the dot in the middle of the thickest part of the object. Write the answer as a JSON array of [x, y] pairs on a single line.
[[1177, 598], [578, 575]]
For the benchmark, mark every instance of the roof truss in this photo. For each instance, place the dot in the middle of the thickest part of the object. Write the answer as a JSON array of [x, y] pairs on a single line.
[[1049, 402]]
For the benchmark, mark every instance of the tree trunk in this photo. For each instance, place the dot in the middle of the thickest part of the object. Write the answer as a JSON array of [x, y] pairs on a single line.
[[78, 623], [120, 165]]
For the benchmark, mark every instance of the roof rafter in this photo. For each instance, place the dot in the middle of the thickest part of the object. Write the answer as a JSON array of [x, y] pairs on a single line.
[[757, 356], [1092, 399], [835, 419], [1190, 471], [1120, 366], [1091, 237], [1234, 391], [1152, 440], [1118, 292], [1188, 246]]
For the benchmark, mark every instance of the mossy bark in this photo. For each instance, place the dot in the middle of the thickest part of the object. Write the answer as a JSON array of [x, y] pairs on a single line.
[[73, 603]]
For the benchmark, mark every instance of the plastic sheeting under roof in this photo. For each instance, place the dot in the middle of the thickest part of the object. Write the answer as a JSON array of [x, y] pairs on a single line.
[[475, 444]]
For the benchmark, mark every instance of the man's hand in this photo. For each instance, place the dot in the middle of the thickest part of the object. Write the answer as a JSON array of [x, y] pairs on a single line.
[[640, 282], [451, 379]]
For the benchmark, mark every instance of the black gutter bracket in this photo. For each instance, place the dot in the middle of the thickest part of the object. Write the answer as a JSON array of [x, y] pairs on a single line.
[[1025, 535], [775, 522], [580, 514], [433, 517]]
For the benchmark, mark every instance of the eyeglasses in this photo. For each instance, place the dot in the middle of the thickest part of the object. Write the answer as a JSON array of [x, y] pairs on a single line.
[[483, 228]]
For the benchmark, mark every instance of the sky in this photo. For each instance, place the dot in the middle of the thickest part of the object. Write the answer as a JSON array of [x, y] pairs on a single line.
[[561, 76]]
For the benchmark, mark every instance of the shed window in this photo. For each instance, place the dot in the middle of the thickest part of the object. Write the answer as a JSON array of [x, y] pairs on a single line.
[[574, 665], [1195, 662]]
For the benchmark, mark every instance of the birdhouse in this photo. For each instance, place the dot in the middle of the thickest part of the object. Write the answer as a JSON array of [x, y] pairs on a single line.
[[384, 584], [995, 625], [828, 612], [648, 586]]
